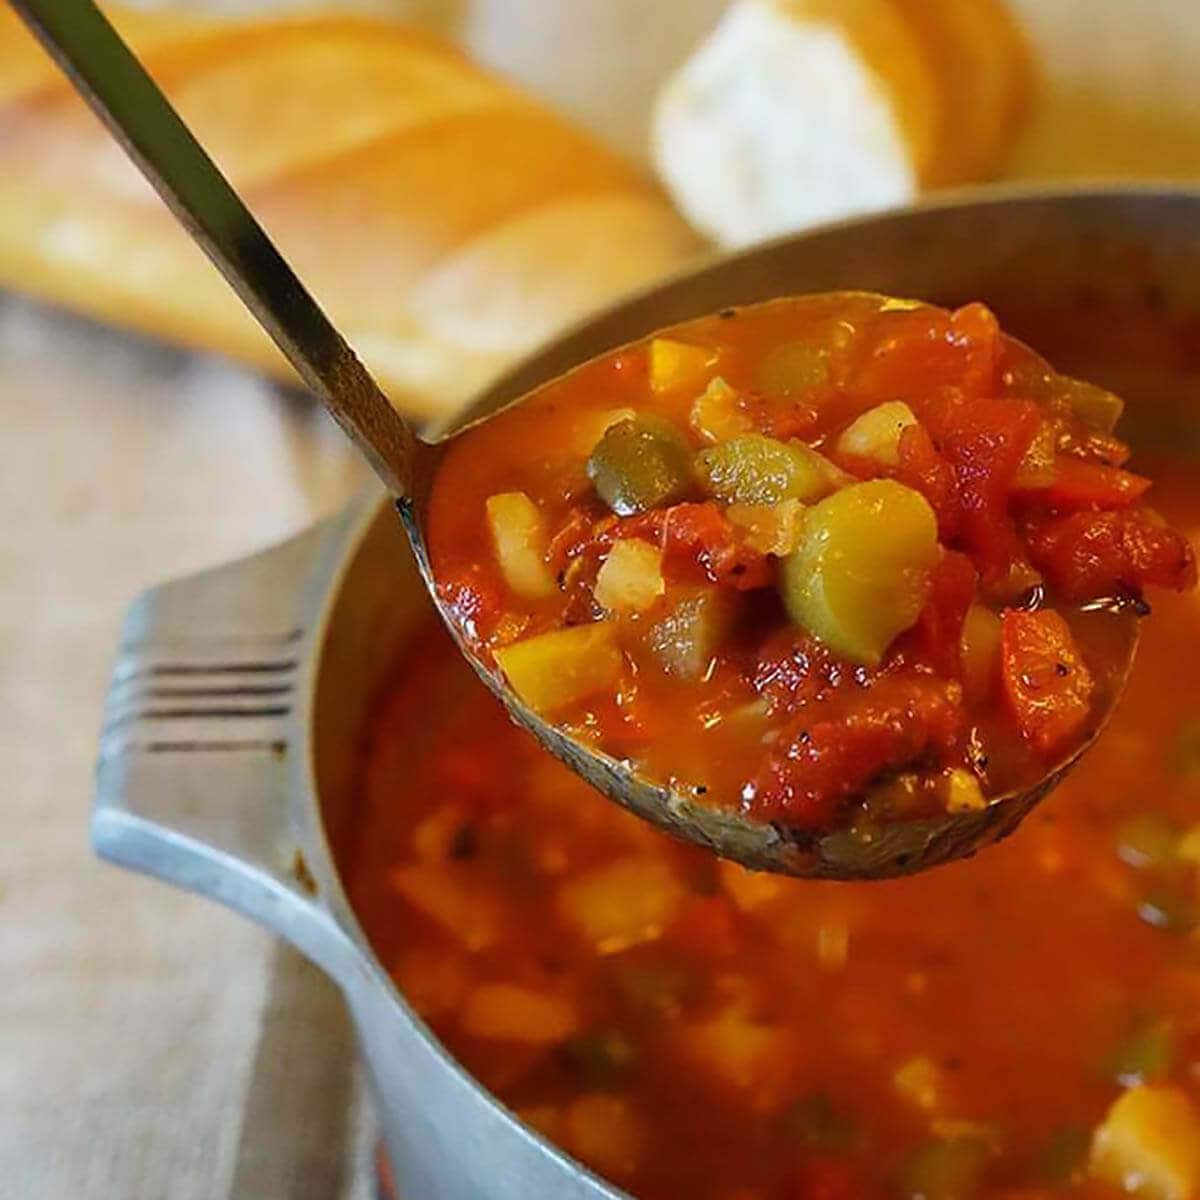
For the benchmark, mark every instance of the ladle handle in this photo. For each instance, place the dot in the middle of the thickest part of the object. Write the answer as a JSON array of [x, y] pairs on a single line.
[[115, 84]]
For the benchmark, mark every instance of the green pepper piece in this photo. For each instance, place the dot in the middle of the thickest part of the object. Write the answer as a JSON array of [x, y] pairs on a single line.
[[1063, 1158], [641, 463], [793, 368], [684, 641], [753, 469], [602, 1058], [948, 1169], [815, 1123], [1147, 840], [1144, 1055], [1185, 752]]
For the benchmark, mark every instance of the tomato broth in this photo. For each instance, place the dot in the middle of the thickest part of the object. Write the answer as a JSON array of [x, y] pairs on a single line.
[[1025, 1024]]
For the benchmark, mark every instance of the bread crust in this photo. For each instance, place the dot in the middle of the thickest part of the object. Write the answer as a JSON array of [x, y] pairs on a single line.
[[382, 162]]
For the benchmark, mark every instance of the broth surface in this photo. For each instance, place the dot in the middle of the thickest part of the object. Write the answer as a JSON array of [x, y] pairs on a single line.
[[691, 1030]]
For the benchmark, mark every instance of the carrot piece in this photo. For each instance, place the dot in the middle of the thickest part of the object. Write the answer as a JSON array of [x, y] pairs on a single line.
[[1046, 682]]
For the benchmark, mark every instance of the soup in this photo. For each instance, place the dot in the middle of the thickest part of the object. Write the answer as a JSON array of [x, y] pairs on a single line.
[[1022, 1025], [833, 560]]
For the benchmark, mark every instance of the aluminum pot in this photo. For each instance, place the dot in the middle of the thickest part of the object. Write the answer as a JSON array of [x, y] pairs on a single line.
[[230, 754]]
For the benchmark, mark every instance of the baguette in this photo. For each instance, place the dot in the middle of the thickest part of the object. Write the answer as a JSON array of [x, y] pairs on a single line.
[[445, 221], [798, 111]]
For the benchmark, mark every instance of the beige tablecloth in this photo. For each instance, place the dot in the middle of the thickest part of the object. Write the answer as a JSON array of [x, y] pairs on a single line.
[[151, 1044]]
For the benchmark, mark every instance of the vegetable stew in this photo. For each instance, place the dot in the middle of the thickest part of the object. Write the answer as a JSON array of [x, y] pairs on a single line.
[[1018, 1027], [832, 560]]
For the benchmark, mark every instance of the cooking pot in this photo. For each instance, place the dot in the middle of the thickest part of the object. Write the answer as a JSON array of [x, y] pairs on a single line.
[[229, 761]]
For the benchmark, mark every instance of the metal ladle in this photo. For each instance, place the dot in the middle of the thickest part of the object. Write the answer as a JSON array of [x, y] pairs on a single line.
[[123, 95]]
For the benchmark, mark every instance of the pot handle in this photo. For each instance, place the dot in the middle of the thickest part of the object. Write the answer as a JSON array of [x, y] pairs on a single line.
[[200, 745]]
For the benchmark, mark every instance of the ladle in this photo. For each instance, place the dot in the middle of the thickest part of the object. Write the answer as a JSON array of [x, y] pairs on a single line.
[[124, 96]]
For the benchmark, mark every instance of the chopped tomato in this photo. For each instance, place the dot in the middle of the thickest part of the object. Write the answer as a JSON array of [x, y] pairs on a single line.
[[825, 1177], [934, 640], [818, 763], [1046, 682], [1087, 555], [924, 469], [473, 596], [1078, 484], [922, 351], [571, 538], [985, 440], [795, 668], [699, 535]]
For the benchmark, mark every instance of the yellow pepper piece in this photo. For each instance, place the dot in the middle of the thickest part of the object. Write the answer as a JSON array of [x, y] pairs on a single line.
[[963, 793], [677, 365], [555, 669]]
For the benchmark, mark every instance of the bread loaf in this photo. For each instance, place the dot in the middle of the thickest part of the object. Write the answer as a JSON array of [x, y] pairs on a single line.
[[798, 111], [445, 221]]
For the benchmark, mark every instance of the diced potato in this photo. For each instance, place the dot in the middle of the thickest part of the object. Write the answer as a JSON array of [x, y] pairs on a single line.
[[753, 469], [641, 463], [605, 1132], [621, 903], [630, 578], [551, 670], [507, 1012], [715, 415], [463, 909], [519, 539], [676, 365], [862, 574], [686, 639], [1149, 1145], [433, 837], [979, 652], [1189, 845], [737, 1052], [922, 1083], [1036, 468], [962, 792], [876, 434], [770, 528]]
